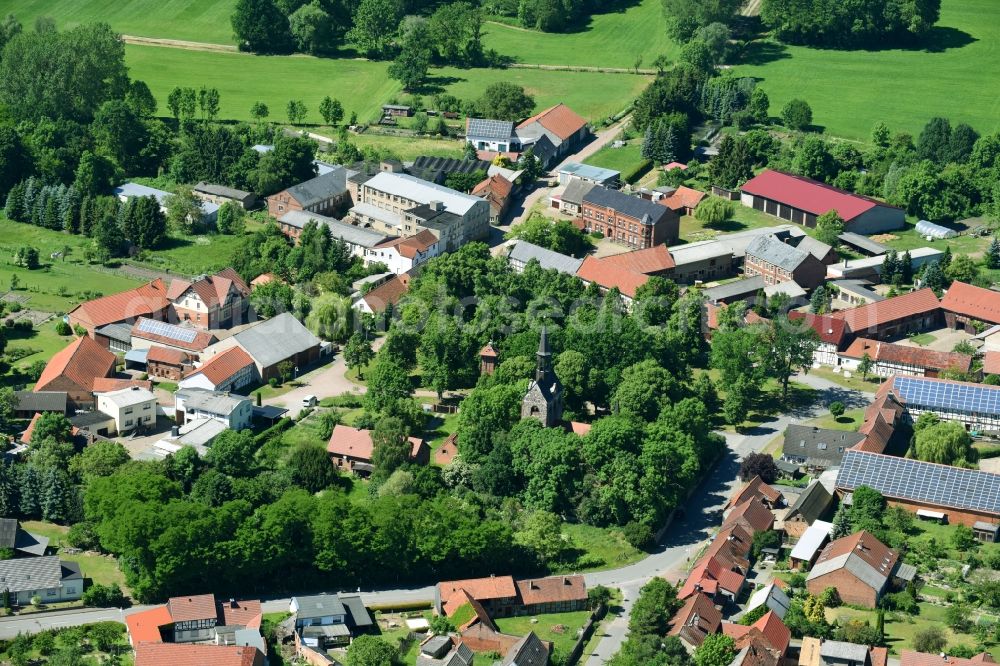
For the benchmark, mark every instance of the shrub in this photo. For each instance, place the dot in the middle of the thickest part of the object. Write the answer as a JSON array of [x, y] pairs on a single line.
[[931, 639], [79, 330], [830, 597], [82, 535], [63, 328], [639, 535], [272, 382], [104, 596], [715, 210], [837, 408]]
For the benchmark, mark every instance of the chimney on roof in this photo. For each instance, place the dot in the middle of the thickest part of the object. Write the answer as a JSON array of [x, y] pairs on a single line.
[[233, 604], [566, 580]]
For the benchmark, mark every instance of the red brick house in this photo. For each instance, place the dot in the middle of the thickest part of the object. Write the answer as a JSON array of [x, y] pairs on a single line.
[[496, 190], [967, 307], [651, 261], [859, 566], [323, 195], [554, 594], [756, 488], [611, 275], [632, 221], [351, 449], [771, 628], [167, 363], [74, 370], [779, 262], [502, 596]]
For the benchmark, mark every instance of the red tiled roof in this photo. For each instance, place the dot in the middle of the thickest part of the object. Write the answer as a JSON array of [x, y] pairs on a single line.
[[879, 656], [696, 619], [912, 658], [874, 315], [559, 119], [201, 340], [82, 361], [490, 155], [830, 330], [710, 574], [496, 188], [445, 454], [864, 546], [144, 627], [877, 431], [236, 613], [675, 165], [578, 428], [971, 301], [774, 630], [607, 275], [651, 260], [754, 649], [453, 592], [357, 443], [188, 654], [409, 246], [753, 514], [198, 607], [166, 355], [108, 384], [552, 589], [389, 292], [908, 355], [263, 278], [489, 351], [684, 197], [755, 487], [222, 366], [991, 363], [809, 195], [144, 301]]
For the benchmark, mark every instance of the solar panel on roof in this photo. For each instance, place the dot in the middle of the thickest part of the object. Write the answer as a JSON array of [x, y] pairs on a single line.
[[944, 395], [166, 330], [904, 478]]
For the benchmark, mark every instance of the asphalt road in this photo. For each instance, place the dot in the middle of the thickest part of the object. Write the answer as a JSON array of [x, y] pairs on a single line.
[[681, 541]]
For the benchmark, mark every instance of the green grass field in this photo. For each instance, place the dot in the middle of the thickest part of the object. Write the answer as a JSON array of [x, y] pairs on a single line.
[[194, 255], [612, 39], [192, 20], [560, 628], [101, 569], [362, 86], [243, 79], [850, 90]]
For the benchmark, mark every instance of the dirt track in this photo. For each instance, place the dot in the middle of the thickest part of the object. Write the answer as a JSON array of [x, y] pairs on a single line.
[[179, 44]]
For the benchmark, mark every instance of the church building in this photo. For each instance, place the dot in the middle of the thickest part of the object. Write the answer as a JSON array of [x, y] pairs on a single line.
[[543, 401]]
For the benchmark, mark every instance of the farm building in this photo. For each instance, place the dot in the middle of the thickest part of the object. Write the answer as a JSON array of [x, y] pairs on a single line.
[[891, 359], [955, 494], [588, 173], [802, 200], [969, 307], [936, 231], [871, 267], [893, 317], [860, 566], [976, 406]]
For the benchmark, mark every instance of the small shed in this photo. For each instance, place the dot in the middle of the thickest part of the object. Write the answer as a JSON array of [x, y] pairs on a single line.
[[925, 229], [397, 110]]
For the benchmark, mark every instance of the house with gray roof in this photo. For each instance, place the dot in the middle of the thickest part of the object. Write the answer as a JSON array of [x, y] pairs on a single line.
[[443, 650], [20, 541], [735, 291], [324, 194], [817, 448], [28, 403], [630, 220], [326, 620], [49, 578], [522, 252], [271, 342], [192, 404], [220, 194], [814, 503], [777, 261], [862, 243], [856, 292], [360, 240], [570, 201], [126, 191], [817, 248], [529, 651]]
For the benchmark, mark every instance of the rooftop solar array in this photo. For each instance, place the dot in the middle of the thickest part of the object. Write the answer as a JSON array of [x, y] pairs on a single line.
[[938, 485], [487, 128], [166, 330], [948, 396]]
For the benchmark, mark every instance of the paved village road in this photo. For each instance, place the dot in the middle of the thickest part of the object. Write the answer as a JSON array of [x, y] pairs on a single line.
[[680, 544]]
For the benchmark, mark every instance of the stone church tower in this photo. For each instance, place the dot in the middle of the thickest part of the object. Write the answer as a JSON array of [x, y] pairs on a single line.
[[543, 401]]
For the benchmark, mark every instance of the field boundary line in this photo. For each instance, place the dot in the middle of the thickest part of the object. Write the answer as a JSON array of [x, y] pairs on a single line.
[[179, 44]]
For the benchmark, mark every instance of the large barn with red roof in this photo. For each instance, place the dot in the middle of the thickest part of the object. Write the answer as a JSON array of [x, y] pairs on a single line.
[[802, 200]]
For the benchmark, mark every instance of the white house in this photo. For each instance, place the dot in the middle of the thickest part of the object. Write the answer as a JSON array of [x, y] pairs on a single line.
[[131, 407], [402, 254], [48, 578], [124, 192], [230, 370], [492, 135], [194, 403]]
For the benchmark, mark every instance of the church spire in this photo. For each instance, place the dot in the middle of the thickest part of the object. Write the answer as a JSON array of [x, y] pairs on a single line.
[[543, 357]]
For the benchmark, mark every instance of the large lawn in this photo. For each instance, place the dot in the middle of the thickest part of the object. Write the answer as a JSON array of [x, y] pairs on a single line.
[[101, 569], [194, 20], [361, 85], [611, 39], [243, 79], [850, 90], [560, 628]]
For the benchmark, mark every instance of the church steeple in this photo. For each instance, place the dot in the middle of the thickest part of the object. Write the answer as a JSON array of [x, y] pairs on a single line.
[[543, 358]]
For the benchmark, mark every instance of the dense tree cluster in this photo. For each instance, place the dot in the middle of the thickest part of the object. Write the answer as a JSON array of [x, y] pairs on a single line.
[[864, 23]]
